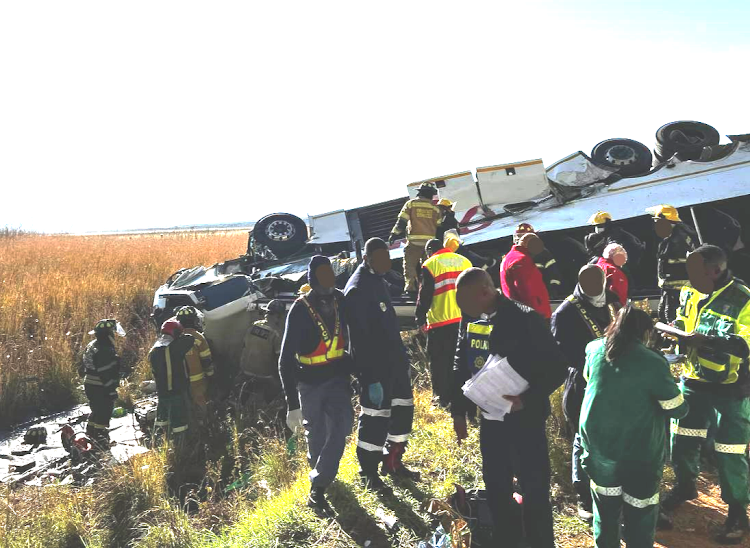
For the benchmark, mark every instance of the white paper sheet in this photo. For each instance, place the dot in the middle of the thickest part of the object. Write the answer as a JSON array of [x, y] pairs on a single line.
[[495, 380]]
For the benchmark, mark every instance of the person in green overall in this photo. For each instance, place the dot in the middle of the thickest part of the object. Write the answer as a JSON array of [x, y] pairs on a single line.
[[629, 396], [714, 311]]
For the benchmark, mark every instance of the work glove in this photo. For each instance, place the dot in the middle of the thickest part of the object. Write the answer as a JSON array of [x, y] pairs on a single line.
[[294, 419], [459, 427], [375, 393]]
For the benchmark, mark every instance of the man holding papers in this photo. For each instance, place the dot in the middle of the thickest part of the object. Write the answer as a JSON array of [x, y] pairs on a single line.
[[524, 366]]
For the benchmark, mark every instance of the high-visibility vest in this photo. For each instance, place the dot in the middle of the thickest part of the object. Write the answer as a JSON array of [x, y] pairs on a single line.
[[331, 347], [445, 267], [423, 217], [478, 344], [725, 312]]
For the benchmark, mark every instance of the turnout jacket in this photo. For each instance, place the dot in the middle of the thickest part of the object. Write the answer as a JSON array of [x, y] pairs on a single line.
[[302, 337], [597, 241], [576, 323], [522, 281], [199, 360], [625, 410], [168, 366], [523, 337], [420, 218], [672, 256], [261, 350], [724, 315], [100, 365], [374, 326]]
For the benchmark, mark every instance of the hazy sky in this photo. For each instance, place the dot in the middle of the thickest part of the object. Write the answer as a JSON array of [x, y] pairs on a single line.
[[119, 115]]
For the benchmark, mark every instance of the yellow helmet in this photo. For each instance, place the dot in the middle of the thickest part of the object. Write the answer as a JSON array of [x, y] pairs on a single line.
[[451, 241], [305, 289], [599, 218], [446, 203], [664, 211]]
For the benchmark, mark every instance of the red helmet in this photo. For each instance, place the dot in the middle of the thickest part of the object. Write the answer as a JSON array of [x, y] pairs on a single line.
[[171, 328], [521, 230]]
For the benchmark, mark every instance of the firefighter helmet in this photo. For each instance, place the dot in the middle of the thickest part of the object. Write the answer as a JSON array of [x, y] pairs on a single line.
[[427, 189], [599, 218], [445, 202], [188, 316], [451, 240], [173, 328], [664, 211], [108, 327], [521, 230]]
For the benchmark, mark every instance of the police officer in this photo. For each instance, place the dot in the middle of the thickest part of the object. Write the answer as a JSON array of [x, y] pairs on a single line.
[[387, 404], [102, 370], [420, 219], [199, 360], [715, 314], [167, 358], [261, 350], [677, 240], [315, 367], [438, 314]]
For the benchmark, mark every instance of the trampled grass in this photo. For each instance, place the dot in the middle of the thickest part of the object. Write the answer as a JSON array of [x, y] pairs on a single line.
[[53, 288]]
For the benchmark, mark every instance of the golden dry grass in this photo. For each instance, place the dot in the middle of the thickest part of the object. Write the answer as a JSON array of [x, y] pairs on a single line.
[[53, 288]]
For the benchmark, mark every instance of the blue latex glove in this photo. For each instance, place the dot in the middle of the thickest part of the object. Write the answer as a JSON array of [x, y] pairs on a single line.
[[375, 392]]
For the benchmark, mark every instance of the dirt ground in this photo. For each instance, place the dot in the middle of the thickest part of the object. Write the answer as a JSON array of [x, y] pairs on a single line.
[[695, 523]]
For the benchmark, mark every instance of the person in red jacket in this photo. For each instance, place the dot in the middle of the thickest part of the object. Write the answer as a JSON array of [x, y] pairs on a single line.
[[521, 280], [613, 258]]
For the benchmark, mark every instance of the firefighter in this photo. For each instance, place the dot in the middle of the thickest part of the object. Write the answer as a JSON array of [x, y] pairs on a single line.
[[605, 233], [438, 314], [167, 358], [102, 370], [448, 220], [715, 313], [420, 219], [261, 350], [544, 261], [315, 368], [199, 362], [629, 398], [520, 278], [677, 240], [611, 262], [580, 319], [523, 338], [382, 365]]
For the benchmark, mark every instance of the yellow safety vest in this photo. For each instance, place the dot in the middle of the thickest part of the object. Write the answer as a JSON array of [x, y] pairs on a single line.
[[726, 312], [331, 347], [445, 268]]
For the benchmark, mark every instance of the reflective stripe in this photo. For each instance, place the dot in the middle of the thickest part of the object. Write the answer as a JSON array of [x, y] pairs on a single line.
[[97, 425], [731, 448], [548, 264], [640, 503], [673, 403], [419, 237], [402, 402], [606, 491], [206, 353], [676, 261], [398, 438], [161, 423], [375, 412], [180, 429], [92, 382], [106, 367], [555, 282], [448, 282], [169, 369], [692, 432], [210, 372], [196, 378], [368, 446], [480, 329]]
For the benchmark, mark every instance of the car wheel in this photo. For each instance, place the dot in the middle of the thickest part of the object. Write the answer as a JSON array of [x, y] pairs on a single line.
[[282, 233], [627, 156], [687, 138]]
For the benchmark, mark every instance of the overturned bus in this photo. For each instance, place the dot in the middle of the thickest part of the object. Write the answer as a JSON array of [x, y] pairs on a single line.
[[707, 181]]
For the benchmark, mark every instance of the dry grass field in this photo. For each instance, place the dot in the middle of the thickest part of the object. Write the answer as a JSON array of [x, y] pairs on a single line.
[[53, 288]]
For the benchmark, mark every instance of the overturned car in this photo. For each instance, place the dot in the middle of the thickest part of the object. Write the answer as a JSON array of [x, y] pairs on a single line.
[[707, 181]]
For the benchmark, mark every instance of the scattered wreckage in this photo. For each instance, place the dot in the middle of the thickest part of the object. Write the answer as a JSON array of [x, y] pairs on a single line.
[[707, 181]]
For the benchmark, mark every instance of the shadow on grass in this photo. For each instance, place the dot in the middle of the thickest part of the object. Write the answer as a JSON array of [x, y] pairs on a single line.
[[354, 519], [405, 512]]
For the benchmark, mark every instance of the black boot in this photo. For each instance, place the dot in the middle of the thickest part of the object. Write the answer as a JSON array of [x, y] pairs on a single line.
[[373, 482], [317, 501], [678, 494], [585, 503], [735, 527]]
